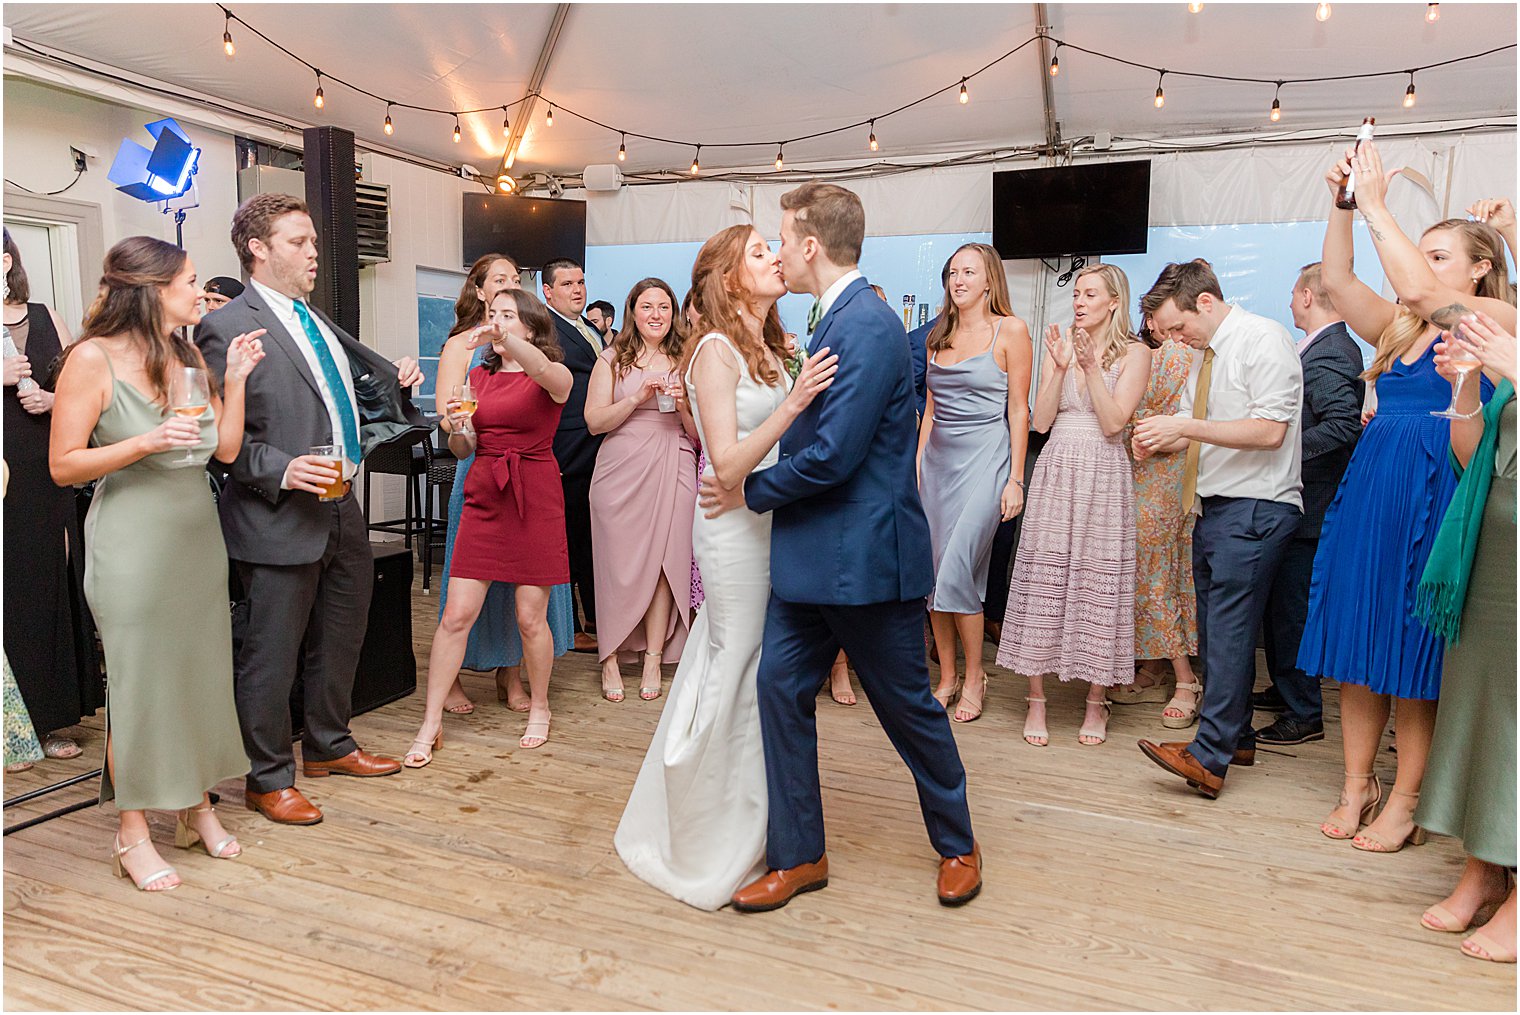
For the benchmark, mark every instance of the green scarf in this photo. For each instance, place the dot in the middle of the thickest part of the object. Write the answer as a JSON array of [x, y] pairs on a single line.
[[1443, 588]]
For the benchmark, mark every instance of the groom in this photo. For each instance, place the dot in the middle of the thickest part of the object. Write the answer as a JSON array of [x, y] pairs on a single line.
[[850, 564]]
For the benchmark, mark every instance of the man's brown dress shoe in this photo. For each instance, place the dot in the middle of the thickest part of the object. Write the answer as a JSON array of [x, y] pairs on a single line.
[[1175, 758], [286, 806], [1245, 758], [777, 888], [583, 643], [960, 877], [356, 763]]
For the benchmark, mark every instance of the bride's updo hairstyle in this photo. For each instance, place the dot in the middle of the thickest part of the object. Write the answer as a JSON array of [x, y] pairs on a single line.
[[722, 297]]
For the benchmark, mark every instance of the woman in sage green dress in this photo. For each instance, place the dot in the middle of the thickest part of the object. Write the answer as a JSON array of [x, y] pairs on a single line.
[[155, 562], [1467, 595]]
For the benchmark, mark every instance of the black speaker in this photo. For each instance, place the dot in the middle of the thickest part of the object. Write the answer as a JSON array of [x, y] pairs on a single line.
[[387, 666], [329, 167]]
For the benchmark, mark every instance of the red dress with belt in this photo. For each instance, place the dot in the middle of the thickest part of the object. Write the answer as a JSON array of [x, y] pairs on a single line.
[[512, 528]]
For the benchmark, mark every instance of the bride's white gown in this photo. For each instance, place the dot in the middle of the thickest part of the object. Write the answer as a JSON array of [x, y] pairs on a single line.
[[694, 826]]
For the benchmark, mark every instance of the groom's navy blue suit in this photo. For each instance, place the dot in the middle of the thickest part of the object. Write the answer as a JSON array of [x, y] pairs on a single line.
[[850, 567]]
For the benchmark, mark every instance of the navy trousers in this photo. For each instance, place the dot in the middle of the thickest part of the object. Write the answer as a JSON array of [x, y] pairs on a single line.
[[885, 645], [1287, 610], [1238, 543]]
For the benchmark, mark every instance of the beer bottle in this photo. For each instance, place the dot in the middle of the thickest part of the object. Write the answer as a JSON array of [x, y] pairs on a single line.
[[1345, 197]]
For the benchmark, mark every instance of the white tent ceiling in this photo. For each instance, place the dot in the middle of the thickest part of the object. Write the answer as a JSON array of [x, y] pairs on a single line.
[[715, 73]]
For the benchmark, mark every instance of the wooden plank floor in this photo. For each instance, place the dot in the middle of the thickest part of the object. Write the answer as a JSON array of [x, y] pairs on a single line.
[[489, 881]]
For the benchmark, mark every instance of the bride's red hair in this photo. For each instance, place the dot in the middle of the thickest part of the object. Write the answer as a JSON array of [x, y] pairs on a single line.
[[720, 293]]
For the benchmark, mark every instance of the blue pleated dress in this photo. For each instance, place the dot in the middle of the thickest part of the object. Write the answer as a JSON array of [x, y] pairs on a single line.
[[1377, 535], [494, 640]]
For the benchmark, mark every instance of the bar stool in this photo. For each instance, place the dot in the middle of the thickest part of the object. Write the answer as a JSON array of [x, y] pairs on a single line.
[[414, 462]]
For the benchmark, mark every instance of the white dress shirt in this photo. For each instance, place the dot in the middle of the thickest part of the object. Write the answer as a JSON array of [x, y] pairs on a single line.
[[284, 308], [1256, 375], [826, 301]]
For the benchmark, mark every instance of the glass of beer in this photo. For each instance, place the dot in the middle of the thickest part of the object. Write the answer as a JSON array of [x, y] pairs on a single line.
[[189, 397], [467, 403], [333, 456]]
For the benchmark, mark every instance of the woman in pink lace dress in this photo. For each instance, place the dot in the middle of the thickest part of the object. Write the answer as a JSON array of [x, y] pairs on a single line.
[[1071, 604], [1166, 619]]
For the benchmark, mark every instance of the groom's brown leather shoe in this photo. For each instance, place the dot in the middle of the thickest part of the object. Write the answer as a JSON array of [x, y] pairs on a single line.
[[777, 888], [1176, 758], [356, 762], [960, 877]]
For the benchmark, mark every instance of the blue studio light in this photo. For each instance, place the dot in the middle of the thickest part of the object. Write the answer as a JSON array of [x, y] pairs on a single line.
[[158, 175]]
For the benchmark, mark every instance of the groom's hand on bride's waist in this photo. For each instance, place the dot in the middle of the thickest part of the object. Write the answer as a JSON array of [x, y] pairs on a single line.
[[715, 499]]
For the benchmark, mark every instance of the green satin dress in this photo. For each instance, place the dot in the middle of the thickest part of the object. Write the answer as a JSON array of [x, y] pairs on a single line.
[[156, 581], [1469, 787]]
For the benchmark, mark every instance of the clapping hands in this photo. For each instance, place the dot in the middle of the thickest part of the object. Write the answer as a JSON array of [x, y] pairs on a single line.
[[1058, 347]]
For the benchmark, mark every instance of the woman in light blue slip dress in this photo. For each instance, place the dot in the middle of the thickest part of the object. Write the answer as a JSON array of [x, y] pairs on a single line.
[[971, 454], [494, 640]]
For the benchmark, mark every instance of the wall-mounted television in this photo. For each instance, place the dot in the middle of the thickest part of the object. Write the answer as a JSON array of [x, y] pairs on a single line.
[[531, 230], [1096, 208]]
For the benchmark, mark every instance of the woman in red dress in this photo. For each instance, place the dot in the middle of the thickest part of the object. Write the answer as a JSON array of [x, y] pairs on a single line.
[[512, 528]]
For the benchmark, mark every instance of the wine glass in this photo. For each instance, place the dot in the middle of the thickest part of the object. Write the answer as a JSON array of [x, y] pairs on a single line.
[[1464, 363], [189, 397], [467, 403]]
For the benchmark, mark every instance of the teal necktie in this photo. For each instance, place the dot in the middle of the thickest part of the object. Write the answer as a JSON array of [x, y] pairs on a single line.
[[815, 315], [334, 381]]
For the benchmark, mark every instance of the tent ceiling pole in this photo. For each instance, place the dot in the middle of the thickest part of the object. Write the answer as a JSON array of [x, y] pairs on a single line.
[[1047, 87], [540, 71]]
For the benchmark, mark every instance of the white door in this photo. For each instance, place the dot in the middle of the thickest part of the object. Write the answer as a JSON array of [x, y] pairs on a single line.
[[35, 245]]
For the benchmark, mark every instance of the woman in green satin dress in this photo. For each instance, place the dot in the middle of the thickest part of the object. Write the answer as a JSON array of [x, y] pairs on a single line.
[[1469, 785], [156, 565]]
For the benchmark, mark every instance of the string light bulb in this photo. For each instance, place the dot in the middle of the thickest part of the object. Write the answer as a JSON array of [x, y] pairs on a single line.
[[456, 128], [506, 123], [317, 99], [231, 50], [1322, 12], [1160, 92], [873, 145], [965, 95], [779, 160], [1432, 12], [1409, 92], [1277, 103], [623, 148], [549, 120], [390, 128], [1055, 61], [696, 161], [1195, 8]]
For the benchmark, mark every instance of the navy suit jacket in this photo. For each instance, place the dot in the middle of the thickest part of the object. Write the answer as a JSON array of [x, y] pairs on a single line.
[[575, 447], [1332, 419], [848, 528], [918, 344]]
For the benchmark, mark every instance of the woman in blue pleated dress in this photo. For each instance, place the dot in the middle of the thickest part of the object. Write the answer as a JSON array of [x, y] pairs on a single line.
[[1361, 628], [494, 640]]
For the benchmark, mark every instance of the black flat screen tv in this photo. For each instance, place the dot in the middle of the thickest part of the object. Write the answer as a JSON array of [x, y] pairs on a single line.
[[531, 230], [1097, 208]]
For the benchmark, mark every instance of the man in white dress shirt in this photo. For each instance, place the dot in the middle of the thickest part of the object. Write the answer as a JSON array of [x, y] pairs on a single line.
[[303, 558], [1239, 421]]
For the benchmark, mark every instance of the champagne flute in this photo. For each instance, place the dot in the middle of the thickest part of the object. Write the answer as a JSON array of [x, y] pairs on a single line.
[[467, 403], [1464, 363], [189, 397]]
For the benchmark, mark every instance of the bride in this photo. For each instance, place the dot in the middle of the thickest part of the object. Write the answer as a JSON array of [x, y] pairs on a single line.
[[694, 826]]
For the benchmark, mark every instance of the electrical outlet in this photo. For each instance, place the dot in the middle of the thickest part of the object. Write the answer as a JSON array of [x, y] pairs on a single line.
[[80, 164]]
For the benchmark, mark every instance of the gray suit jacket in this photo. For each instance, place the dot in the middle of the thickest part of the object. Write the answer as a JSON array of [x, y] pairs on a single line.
[[284, 418]]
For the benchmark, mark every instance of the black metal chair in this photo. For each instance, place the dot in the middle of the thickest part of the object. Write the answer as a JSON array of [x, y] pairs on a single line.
[[416, 463]]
